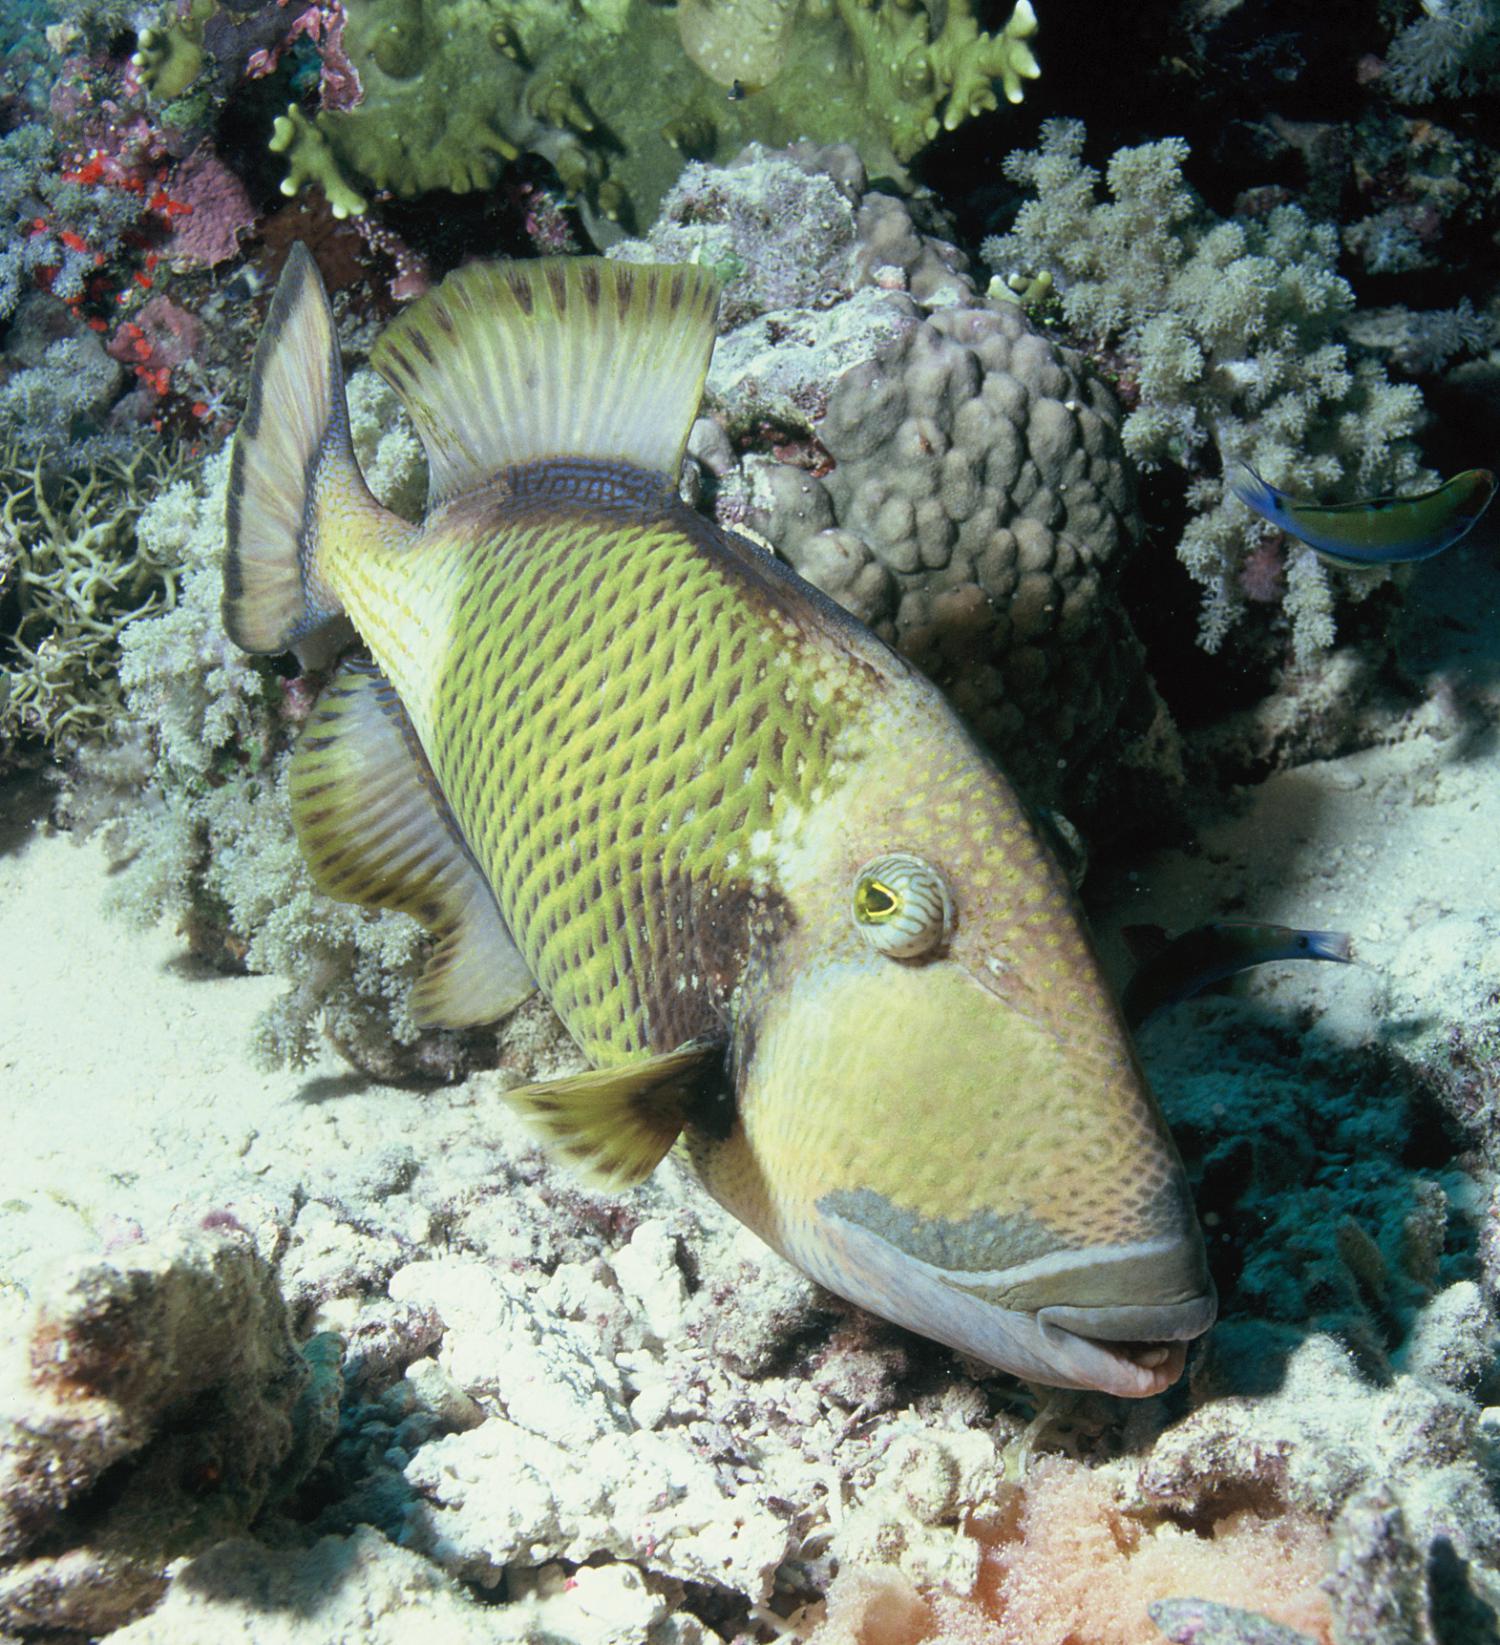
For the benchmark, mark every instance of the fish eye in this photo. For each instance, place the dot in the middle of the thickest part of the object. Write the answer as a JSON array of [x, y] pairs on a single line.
[[901, 905]]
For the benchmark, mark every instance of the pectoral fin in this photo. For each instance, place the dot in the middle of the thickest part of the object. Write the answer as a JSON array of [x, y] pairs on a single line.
[[616, 1125], [375, 829]]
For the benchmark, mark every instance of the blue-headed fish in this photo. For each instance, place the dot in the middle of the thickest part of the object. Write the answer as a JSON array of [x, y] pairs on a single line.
[[1175, 970], [799, 923], [1380, 531]]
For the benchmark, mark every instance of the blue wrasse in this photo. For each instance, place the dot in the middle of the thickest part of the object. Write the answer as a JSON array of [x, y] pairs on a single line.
[[1175, 970], [1380, 531]]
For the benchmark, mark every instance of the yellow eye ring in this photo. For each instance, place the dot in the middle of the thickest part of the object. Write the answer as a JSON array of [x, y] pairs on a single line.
[[901, 905]]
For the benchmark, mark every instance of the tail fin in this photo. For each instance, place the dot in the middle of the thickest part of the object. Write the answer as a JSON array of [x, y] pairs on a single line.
[[1255, 493], [510, 363], [294, 484]]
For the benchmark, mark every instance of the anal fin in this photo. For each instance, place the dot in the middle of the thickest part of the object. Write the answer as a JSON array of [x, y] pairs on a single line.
[[616, 1125], [375, 829]]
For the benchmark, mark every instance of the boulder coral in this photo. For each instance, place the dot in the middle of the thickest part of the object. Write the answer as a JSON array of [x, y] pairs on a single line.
[[925, 456]]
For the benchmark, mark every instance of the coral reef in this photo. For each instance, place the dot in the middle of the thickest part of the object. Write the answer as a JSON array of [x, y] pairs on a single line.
[[614, 1421], [693, 1437], [204, 737], [154, 1404], [924, 456], [77, 579], [615, 94], [1227, 339]]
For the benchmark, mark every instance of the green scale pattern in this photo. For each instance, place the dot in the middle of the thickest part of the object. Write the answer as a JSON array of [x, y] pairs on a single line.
[[613, 728]]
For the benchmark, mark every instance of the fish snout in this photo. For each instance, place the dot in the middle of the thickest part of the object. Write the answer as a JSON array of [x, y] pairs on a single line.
[[1120, 1318], [1130, 1349]]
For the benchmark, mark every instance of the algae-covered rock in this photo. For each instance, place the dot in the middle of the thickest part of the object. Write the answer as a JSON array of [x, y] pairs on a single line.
[[1443, 1018]]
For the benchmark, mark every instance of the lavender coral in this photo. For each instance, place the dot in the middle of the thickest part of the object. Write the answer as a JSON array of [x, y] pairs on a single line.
[[1232, 339], [1452, 49]]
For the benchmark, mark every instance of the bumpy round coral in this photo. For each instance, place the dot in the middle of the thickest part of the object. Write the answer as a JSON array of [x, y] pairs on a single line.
[[920, 453]]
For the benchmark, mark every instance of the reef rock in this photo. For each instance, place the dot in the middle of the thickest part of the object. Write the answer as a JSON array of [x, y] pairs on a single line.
[[154, 1402], [923, 455]]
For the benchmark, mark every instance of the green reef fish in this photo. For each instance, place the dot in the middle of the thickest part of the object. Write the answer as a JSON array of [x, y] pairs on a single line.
[[1382, 531], [1175, 970], [798, 922]]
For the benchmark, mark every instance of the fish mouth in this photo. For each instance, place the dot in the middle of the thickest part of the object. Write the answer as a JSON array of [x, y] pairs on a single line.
[[1132, 1350]]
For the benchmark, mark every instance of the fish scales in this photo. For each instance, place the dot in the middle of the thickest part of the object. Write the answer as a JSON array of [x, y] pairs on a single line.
[[802, 928], [614, 791]]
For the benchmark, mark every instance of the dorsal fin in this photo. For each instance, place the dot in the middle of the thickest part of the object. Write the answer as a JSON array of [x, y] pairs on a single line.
[[509, 363], [295, 489]]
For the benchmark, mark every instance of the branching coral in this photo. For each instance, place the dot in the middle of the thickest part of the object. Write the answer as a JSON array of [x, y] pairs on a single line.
[[51, 412], [1231, 339], [618, 93], [1453, 49], [77, 578]]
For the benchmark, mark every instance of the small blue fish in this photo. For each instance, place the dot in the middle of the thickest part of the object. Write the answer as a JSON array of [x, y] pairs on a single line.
[[1174, 971], [1381, 531]]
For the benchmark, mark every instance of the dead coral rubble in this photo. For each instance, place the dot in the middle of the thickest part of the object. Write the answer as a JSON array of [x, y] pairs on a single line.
[[154, 1403]]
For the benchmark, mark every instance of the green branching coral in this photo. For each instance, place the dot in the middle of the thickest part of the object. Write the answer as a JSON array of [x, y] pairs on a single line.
[[73, 576], [1228, 339], [618, 93]]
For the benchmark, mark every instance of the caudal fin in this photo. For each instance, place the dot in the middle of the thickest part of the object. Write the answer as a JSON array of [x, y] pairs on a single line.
[[295, 488], [581, 357], [1243, 482]]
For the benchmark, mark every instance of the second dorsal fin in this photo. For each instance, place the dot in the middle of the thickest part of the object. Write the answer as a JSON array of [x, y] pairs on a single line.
[[509, 363]]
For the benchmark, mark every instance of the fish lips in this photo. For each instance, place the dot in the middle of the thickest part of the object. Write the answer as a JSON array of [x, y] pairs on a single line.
[[1131, 1349], [1134, 1350]]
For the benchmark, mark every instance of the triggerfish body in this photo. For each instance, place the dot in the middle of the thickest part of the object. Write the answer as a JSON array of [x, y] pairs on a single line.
[[1176, 970], [1382, 531], [793, 915]]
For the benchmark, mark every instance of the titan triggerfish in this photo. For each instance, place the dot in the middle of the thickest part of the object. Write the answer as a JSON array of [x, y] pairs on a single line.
[[803, 928]]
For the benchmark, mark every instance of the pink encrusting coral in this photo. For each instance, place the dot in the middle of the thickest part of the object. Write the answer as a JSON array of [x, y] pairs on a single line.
[[1073, 1560], [221, 211], [1080, 1563]]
